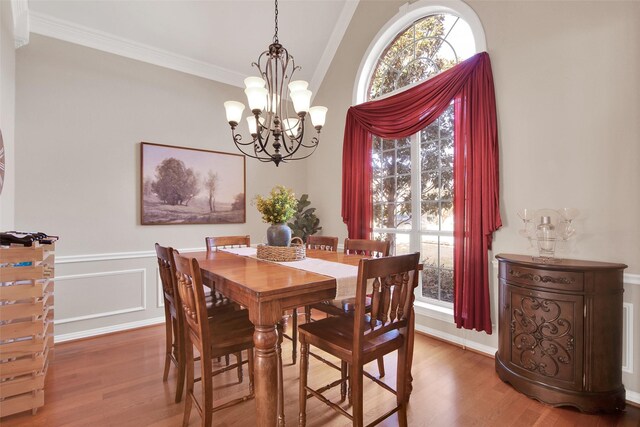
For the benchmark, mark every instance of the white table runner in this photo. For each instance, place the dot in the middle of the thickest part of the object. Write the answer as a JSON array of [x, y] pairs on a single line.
[[346, 275]]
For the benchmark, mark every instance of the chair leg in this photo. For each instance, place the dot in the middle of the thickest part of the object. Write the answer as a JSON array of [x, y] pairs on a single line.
[[355, 379], [304, 369], [188, 401], [381, 366], [206, 382], [239, 360], [343, 375], [207, 396], [226, 359], [250, 363], [294, 335], [307, 314], [168, 325], [181, 358], [402, 393]]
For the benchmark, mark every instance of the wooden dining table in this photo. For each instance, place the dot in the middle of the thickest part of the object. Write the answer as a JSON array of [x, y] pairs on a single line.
[[266, 289]]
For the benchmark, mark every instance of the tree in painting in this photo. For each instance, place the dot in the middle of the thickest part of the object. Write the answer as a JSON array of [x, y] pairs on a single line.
[[175, 184], [210, 184], [239, 202]]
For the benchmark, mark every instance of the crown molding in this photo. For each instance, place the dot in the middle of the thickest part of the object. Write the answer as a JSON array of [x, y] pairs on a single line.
[[330, 50], [64, 30], [20, 12]]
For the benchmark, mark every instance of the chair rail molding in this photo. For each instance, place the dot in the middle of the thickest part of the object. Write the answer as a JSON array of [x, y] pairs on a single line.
[[69, 259]]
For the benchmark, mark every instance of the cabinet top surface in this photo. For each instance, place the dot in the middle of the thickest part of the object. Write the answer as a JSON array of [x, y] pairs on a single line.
[[559, 264]]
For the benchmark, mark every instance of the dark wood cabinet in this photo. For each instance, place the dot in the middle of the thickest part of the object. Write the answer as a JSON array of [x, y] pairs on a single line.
[[560, 331]]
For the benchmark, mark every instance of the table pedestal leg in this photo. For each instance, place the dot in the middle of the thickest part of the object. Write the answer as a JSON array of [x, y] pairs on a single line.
[[265, 339]]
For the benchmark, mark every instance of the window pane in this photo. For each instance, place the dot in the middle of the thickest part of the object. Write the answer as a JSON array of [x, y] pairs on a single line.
[[387, 236], [446, 252], [429, 156], [430, 274], [446, 285], [430, 45], [446, 184], [403, 216], [446, 220], [430, 183], [402, 244], [430, 216], [403, 162], [388, 144], [403, 142], [403, 188], [446, 153], [381, 215]]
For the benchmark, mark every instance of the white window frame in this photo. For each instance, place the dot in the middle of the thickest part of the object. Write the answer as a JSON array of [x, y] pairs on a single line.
[[407, 14]]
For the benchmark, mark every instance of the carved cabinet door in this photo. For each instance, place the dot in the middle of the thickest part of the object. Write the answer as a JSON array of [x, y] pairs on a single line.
[[545, 332]]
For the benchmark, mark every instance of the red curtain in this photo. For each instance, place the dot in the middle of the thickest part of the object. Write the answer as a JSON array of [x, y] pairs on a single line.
[[476, 203]]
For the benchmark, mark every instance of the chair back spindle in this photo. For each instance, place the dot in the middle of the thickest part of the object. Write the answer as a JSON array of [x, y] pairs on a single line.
[[216, 242], [393, 280], [371, 248], [324, 243]]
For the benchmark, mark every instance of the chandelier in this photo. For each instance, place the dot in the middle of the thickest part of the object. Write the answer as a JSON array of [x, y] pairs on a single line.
[[277, 136]]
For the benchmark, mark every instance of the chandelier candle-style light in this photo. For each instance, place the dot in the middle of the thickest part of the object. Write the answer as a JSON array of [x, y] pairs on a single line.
[[276, 137]]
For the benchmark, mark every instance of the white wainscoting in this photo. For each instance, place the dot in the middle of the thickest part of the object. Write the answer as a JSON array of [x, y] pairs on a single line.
[[103, 294], [627, 340], [130, 284], [160, 298]]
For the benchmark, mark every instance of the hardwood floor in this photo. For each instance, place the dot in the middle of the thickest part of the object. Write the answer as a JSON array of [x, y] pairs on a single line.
[[116, 380]]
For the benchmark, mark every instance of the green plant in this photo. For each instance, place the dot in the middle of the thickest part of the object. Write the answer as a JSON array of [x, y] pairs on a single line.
[[305, 222], [279, 206]]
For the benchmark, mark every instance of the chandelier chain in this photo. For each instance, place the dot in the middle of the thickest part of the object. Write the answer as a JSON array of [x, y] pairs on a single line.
[[275, 35]]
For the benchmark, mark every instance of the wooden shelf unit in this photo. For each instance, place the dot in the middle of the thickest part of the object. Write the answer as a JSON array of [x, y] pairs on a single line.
[[26, 325]]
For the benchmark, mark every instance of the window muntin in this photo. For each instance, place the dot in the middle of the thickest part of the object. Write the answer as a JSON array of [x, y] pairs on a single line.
[[421, 164]]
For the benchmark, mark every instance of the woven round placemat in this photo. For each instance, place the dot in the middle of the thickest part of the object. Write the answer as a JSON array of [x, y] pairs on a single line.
[[295, 252]]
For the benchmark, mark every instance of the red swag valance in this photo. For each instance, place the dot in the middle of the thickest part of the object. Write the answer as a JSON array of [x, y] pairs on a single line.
[[476, 203]]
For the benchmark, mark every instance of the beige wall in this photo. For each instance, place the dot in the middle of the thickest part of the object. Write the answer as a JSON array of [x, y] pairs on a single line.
[[81, 115], [568, 94], [568, 97], [7, 113]]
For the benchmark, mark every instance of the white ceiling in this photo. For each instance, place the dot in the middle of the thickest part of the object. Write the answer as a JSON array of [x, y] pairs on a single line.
[[215, 39]]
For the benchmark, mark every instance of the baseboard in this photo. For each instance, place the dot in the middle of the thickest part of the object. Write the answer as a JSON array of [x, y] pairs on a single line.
[[633, 397], [107, 329], [461, 341]]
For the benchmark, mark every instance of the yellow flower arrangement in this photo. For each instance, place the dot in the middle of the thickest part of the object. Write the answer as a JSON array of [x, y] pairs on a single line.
[[279, 206]]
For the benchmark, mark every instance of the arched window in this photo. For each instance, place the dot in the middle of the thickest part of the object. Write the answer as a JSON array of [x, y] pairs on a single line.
[[413, 177]]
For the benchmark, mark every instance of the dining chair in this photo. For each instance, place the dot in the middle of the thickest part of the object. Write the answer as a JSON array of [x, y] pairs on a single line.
[[323, 243], [215, 336], [223, 242], [371, 248], [217, 242], [174, 350], [174, 325], [366, 336]]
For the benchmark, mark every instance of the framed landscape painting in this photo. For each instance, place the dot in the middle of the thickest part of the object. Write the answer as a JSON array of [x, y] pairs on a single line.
[[189, 186]]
